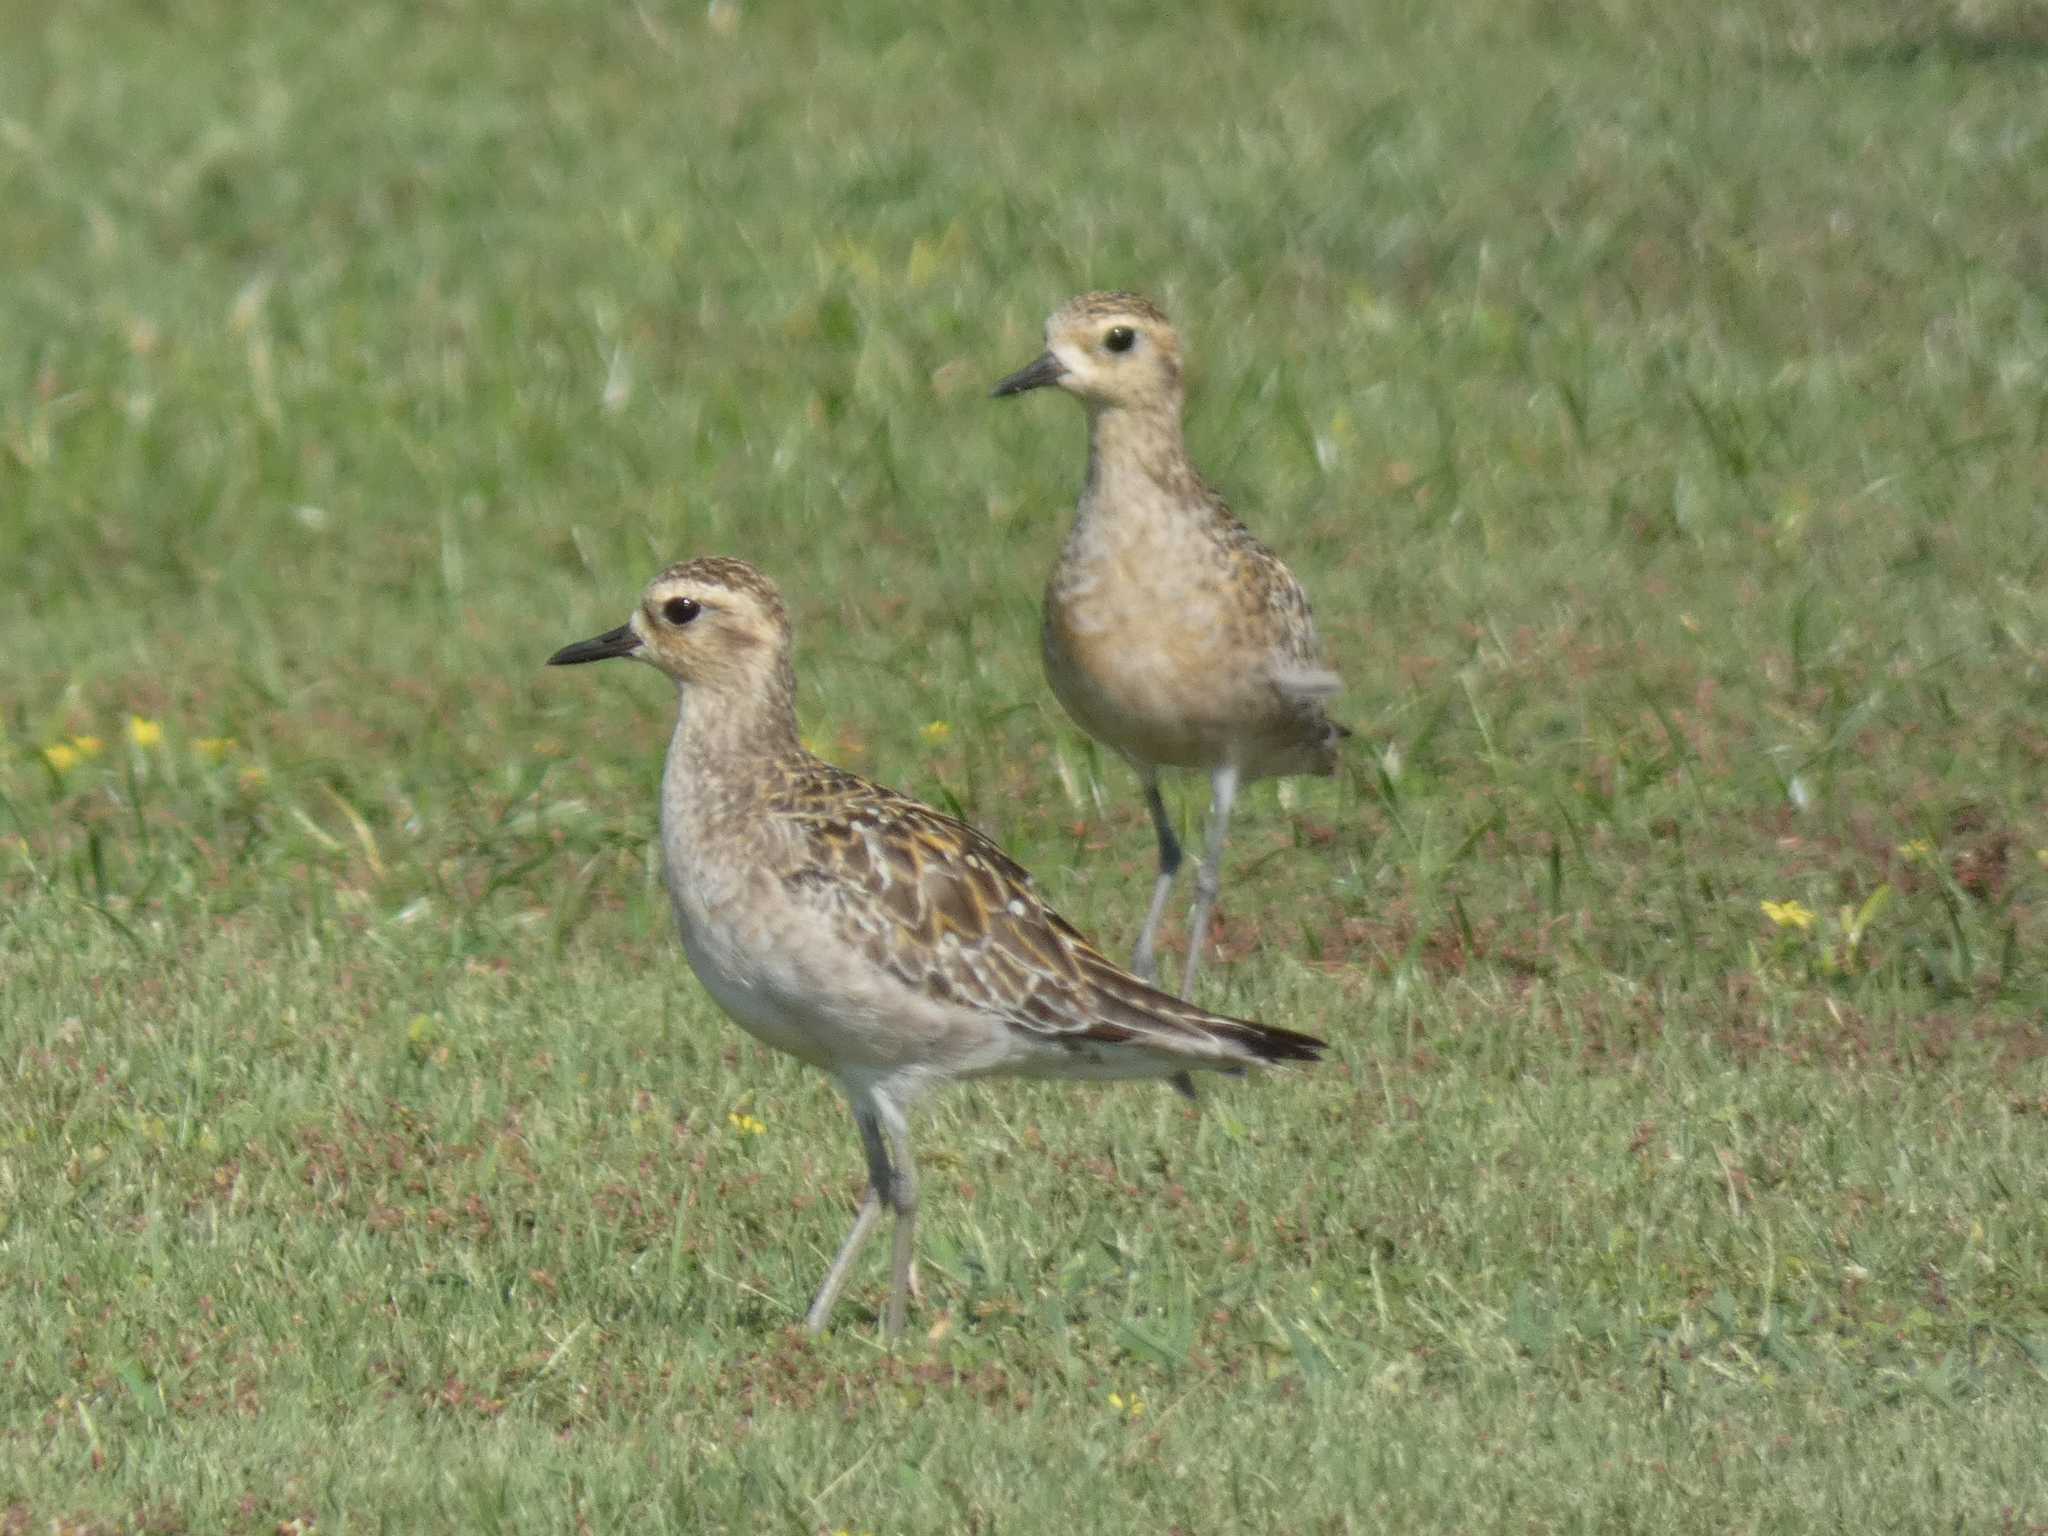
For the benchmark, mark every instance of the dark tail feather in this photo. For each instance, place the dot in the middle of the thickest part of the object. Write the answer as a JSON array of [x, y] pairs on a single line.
[[1128, 1009], [1269, 1042]]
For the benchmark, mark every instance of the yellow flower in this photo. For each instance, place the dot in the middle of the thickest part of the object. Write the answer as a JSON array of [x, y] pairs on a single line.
[[1919, 848], [1789, 914], [745, 1124], [1133, 1406], [61, 757], [214, 748], [145, 733], [88, 746], [254, 777], [936, 733]]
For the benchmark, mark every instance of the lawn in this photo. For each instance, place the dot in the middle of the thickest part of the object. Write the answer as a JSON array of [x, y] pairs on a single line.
[[1654, 400]]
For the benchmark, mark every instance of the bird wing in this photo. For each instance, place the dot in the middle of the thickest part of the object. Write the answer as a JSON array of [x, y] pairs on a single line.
[[953, 917], [1298, 667]]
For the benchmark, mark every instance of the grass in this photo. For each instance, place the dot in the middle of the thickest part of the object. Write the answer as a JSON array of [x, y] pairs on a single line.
[[1654, 404]]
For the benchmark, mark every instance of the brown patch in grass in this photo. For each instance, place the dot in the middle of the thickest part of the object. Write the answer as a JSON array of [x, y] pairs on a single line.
[[791, 1377], [1825, 1031], [1982, 859]]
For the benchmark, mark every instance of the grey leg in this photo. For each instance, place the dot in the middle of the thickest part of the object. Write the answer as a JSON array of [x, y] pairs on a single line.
[[881, 1186], [1209, 878], [1144, 959], [903, 1274]]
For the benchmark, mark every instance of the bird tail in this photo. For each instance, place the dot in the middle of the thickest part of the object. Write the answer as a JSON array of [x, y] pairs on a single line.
[[1264, 1042], [1269, 1042], [1220, 1042], [1133, 1013]]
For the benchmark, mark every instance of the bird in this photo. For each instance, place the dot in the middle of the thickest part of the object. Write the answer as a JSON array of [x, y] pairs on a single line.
[[891, 946], [1170, 633]]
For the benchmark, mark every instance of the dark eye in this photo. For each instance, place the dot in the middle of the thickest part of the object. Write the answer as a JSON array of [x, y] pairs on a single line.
[[1118, 338], [680, 610]]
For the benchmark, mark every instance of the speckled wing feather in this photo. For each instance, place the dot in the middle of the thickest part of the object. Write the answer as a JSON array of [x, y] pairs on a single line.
[[1301, 671], [939, 906]]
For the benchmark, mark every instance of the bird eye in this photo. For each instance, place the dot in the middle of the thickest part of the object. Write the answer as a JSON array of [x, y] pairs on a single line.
[[680, 610], [1118, 338]]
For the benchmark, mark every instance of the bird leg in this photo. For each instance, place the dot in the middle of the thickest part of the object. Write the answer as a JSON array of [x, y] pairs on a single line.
[[1144, 959], [903, 1195], [881, 1187], [1209, 878]]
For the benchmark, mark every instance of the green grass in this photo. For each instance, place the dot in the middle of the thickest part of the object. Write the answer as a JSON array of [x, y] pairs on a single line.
[[1656, 405]]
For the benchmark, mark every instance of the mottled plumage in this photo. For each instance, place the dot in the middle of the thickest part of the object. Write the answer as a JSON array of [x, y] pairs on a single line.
[[1170, 633], [861, 931], [938, 906]]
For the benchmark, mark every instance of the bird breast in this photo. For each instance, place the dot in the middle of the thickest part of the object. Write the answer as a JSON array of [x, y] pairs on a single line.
[[1146, 649], [782, 968]]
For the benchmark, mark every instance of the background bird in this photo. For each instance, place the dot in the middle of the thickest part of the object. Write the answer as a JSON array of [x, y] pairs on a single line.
[[1171, 634]]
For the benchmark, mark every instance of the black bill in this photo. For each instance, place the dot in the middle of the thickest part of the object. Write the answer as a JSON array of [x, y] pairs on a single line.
[[1047, 369], [614, 642]]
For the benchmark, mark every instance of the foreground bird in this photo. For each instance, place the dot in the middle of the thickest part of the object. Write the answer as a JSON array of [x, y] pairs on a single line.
[[893, 947], [1171, 634]]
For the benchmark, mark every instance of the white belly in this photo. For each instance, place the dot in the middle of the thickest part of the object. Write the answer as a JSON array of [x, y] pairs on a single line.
[[754, 979]]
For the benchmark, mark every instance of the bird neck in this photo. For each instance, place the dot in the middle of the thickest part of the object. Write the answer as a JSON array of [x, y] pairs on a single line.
[[1134, 449], [728, 743]]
